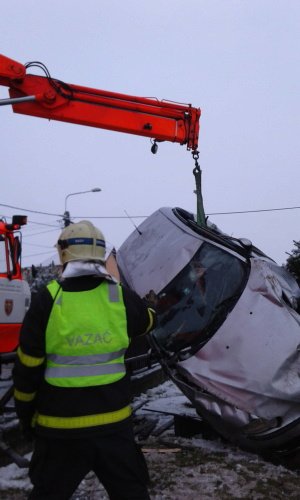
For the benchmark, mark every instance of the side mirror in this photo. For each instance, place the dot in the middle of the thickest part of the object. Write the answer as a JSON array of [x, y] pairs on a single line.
[[20, 220], [245, 243]]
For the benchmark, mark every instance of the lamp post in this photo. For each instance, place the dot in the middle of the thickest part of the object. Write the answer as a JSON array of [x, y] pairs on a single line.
[[66, 217]]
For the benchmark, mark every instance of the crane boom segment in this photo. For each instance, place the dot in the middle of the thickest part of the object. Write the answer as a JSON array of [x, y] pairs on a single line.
[[56, 100]]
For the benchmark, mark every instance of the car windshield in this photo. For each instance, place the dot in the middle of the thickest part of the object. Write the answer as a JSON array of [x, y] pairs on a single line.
[[194, 304]]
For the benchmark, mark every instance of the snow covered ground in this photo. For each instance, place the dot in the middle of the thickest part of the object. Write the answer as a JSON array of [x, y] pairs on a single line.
[[183, 468]]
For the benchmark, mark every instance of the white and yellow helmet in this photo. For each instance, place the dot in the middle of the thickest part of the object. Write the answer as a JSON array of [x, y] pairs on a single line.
[[81, 241]]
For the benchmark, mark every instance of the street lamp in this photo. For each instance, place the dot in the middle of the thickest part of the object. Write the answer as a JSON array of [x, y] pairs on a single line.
[[66, 217]]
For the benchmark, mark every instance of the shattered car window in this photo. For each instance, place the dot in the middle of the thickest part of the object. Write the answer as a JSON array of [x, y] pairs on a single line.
[[197, 300]]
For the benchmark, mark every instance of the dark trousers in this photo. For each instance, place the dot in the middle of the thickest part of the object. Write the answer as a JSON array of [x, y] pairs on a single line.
[[58, 466]]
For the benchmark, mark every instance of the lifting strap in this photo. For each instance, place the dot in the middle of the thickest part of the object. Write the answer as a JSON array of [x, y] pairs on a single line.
[[201, 220]]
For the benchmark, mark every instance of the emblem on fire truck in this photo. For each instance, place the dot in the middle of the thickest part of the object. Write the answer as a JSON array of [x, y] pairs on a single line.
[[8, 306]]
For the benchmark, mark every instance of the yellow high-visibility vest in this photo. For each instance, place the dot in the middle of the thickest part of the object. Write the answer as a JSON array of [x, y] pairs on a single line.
[[86, 336]]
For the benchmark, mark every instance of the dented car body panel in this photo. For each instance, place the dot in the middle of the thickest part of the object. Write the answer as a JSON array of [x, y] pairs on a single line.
[[228, 331]]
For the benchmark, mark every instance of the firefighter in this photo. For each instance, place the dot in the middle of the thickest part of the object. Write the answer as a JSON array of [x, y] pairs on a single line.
[[71, 386]]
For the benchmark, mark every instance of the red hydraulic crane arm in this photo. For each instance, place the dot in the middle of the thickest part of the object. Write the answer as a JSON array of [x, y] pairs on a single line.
[[49, 98]]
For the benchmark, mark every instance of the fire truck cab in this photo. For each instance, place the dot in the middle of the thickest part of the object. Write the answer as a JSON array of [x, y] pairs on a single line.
[[14, 291]]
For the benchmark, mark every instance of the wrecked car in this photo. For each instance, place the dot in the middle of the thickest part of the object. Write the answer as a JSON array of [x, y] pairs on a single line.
[[228, 331]]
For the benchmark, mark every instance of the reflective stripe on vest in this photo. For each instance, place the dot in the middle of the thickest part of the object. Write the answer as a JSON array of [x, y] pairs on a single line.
[[85, 421], [83, 360], [84, 371], [86, 336]]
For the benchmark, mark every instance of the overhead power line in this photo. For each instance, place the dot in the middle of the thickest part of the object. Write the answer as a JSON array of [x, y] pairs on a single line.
[[40, 246], [40, 232], [109, 216], [211, 213], [42, 223], [28, 210], [254, 211], [36, 254], [277, 209]]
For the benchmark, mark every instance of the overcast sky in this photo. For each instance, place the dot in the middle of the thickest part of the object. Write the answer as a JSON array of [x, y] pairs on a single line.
[[237, 60]]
